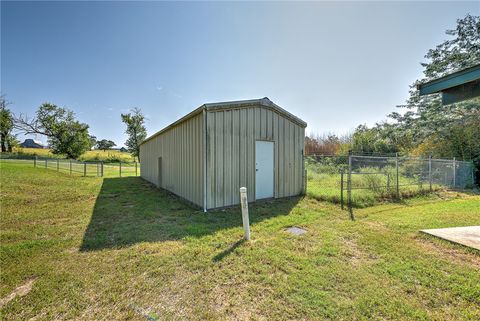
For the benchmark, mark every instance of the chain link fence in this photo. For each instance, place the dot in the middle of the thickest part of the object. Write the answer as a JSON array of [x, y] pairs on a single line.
[[73, 167], [363, 180]]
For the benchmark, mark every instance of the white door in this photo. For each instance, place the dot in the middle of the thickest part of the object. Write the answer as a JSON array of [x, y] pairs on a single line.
[[264, 179]]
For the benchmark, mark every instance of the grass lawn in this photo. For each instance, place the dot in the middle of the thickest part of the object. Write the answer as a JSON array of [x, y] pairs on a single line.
[[119, 249]]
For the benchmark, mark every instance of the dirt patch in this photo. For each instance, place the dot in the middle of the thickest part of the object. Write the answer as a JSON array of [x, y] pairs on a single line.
[[379, 226], [434, 246], [354, 254], [19, 291]]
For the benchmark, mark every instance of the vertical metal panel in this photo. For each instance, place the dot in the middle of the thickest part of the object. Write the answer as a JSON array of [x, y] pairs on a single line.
[[231, 136], [181, 149], [275, 138], [250, 139], [243, 147], [219, 159], [210, 144], [227, 157], [236, 157]]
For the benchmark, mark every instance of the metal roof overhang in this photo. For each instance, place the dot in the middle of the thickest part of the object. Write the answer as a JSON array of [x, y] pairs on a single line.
[[455, 87]]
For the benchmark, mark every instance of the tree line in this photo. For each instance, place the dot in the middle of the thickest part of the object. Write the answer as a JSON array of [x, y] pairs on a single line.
[[65, 134], [424, 126]]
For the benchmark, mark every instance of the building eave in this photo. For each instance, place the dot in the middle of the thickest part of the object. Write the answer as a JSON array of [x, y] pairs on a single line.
[[265, 102]]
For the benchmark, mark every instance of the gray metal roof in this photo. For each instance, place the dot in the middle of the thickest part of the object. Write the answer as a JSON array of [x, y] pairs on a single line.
[[265, 102]]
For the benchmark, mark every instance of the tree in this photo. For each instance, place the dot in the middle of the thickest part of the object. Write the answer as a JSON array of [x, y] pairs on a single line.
[[135, 130], [444, 130], [326, 144], [105, 144], [425, 115], [7, 140], [93, 140], [65, 134], [372, 140]]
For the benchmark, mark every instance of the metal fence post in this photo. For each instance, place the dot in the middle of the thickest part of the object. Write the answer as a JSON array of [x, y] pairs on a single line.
[[84, 169], [388, 184], [136, 170], [397, 179], [349, 186], [430, 172], [70, 167], [120, 169], [341, 189], [46, 162], [454, 173], [305, 181], [473, 174]]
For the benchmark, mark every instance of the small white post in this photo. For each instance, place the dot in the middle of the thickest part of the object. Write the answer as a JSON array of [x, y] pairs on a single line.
[[246, 223]]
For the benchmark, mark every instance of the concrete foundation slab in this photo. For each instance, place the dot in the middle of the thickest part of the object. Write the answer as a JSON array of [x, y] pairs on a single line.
[[466, 235]]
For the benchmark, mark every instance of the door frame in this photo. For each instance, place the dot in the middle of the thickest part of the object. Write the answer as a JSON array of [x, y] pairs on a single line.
[[274, 168]]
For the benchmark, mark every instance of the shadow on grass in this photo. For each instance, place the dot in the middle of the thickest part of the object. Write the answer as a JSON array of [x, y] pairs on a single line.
[[130, 210], [228, 251]]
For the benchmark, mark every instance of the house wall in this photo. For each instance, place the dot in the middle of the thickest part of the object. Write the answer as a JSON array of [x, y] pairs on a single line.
[[230, 142], [181, 149]]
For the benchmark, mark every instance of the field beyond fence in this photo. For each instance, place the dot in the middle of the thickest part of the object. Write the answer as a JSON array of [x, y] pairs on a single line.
[[363, 180], [74, 167]]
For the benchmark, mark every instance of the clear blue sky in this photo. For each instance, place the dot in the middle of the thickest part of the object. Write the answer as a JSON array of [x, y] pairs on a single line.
[[335, 65]]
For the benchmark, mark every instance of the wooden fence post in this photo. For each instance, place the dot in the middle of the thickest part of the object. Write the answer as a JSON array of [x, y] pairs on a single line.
[[35, 161], [101, 169], [46, 162], [70, 167], [120, 169], [136, 171], [84, 169], [58, 167]]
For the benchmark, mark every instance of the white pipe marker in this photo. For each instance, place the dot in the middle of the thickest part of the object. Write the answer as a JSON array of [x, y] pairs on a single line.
[[246, 223]]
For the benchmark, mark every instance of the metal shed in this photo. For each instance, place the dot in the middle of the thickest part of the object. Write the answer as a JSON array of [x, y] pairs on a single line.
[[207, 155]]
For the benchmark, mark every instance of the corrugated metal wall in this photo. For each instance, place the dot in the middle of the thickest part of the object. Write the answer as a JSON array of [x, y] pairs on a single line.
[[231, 136], [181, 150]]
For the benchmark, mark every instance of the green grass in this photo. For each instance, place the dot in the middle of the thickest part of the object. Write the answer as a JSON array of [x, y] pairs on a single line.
[[367, 190], [80, 168], [109, 156], [119, 249]]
